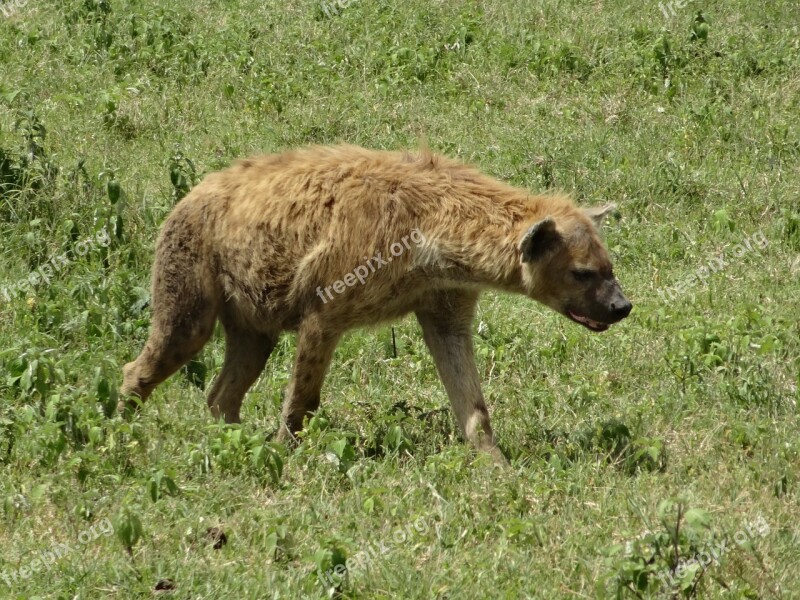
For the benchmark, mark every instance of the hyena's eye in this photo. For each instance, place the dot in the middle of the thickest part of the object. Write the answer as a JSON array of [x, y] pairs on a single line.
[[584, 275]]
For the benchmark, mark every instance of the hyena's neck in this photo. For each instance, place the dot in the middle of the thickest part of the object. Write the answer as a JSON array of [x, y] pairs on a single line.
[[483, 252]]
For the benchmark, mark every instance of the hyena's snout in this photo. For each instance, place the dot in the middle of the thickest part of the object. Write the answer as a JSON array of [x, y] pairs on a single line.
[[602, 307], [619, 306]]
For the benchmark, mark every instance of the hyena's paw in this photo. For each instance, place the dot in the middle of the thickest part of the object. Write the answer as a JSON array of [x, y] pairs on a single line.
[[499, 458], [129, 406], [285, 436], [130, 395], [493, 450]]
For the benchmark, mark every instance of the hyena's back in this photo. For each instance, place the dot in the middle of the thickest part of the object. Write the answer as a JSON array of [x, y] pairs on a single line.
[[270, 229]]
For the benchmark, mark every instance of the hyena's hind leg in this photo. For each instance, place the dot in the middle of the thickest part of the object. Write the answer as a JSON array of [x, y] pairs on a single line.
[[246, 353], [174, 340], [184, 306]]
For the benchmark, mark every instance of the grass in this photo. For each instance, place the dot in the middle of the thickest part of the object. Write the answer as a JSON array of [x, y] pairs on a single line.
[[634, 453]]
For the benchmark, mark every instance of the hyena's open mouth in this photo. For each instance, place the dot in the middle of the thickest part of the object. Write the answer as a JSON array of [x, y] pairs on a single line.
[[590, 324]]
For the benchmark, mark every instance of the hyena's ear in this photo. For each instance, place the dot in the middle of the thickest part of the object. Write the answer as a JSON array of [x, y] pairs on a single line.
[[598, 214], [539, 240]]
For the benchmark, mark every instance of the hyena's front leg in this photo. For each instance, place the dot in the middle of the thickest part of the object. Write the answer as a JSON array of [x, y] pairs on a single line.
[[446, 324], [315, 346]]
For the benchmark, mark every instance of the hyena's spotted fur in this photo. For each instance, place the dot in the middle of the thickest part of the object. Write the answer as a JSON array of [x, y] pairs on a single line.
[[255, 244]]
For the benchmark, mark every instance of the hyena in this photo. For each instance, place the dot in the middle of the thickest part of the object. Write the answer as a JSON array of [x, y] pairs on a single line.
[[260, 245]]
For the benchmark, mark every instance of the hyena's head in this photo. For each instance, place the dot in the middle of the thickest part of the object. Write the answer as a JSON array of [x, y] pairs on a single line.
[[566, 267]]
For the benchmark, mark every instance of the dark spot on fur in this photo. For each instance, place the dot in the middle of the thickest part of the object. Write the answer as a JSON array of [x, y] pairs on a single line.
[[393, 187], [330, 201]]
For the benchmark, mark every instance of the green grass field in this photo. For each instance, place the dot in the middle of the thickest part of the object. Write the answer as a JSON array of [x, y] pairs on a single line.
[[658, 460]]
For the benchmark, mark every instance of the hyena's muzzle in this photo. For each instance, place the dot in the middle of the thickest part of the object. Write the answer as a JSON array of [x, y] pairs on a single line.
[[602, 305]]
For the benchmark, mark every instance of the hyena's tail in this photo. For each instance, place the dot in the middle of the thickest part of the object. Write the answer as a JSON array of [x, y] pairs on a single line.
[[185, 301]]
